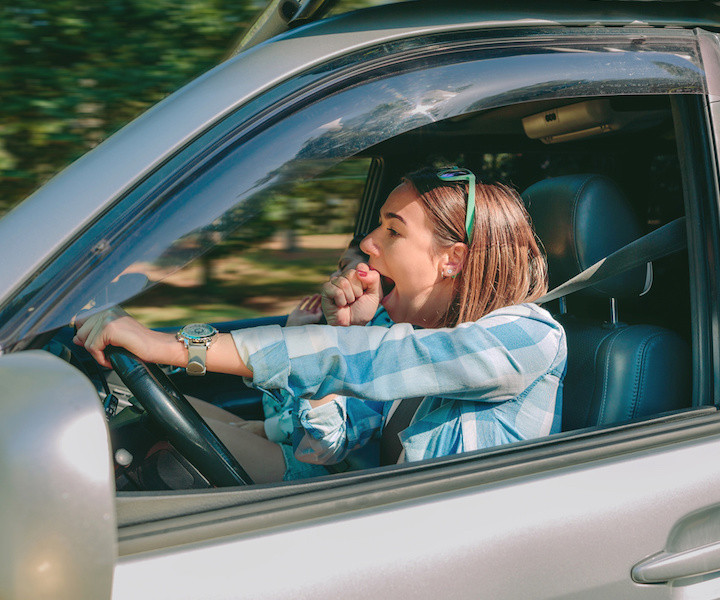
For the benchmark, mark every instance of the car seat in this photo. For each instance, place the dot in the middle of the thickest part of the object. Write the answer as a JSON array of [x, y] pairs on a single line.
[[615, 371]]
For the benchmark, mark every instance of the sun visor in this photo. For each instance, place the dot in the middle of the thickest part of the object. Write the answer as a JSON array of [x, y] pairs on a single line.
[[583, 119]]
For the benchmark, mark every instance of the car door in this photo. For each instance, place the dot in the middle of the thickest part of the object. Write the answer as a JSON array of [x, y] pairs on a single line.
[[626, 510], [623, 511]]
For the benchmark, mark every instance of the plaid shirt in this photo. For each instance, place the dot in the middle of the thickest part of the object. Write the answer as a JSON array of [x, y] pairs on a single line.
[[489, 382]]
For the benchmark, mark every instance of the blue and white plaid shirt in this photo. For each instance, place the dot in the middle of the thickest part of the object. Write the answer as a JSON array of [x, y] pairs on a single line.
[[489, 382]]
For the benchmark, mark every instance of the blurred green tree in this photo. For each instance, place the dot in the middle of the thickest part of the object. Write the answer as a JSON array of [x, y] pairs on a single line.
[[72, 72]]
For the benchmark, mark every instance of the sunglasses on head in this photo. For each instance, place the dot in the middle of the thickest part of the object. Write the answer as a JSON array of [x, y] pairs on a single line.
[[458, 174]]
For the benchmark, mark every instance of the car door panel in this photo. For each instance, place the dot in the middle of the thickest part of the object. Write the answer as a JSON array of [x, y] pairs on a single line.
[[566, 533]]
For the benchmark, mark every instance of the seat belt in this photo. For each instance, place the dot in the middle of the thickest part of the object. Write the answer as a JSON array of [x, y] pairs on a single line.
[[665, 240], [390, 445]]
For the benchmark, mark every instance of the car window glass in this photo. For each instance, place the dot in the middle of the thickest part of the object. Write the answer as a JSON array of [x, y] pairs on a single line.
[[202, 203], [264, 269]]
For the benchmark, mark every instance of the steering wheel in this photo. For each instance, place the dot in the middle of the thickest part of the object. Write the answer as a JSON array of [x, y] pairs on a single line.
[[185, 428]]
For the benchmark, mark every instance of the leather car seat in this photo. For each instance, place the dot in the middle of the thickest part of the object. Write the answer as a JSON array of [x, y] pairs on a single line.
[[615, 371]]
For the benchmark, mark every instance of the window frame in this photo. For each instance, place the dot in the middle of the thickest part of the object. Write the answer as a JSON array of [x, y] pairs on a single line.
[[155, 520]]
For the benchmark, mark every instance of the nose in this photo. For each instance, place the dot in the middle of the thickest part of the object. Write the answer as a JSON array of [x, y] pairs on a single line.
[[368, 245]]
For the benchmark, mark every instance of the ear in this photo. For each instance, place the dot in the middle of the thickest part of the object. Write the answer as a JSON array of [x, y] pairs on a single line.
[[453, 259]]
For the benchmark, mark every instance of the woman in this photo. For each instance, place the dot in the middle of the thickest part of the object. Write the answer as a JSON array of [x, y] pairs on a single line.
[[458, 330]]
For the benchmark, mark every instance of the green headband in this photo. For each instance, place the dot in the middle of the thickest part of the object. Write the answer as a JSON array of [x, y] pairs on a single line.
[[458, 174]]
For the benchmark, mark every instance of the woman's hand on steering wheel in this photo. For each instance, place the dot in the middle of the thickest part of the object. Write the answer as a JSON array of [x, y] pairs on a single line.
[[130, 345], [353, 298], [115, 327]]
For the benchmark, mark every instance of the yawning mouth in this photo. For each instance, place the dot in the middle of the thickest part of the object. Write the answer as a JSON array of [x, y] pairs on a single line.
[[387, 284]]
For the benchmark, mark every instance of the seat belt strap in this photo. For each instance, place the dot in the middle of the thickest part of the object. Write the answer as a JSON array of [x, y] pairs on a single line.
[[390, 445], [666, 240]]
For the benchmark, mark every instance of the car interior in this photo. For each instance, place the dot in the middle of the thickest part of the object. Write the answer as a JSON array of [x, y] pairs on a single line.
[[595, 175]]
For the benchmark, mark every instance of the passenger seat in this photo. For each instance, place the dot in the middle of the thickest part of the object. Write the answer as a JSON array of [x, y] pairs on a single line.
[[616, 371]]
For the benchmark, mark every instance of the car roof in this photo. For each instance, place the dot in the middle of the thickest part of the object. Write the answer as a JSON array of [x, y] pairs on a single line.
[[501, 13], [70, 201], [280, 16]]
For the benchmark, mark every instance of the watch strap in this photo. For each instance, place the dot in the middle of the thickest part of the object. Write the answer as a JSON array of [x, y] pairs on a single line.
[[197, 354]]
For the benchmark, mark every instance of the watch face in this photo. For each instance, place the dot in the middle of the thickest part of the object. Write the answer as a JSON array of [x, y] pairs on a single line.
[[197, 331]]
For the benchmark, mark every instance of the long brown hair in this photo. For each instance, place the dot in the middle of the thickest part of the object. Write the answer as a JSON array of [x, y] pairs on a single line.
[[504, 264]]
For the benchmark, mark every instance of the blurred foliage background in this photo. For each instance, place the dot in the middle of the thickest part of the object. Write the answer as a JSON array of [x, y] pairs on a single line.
[[73, 72]]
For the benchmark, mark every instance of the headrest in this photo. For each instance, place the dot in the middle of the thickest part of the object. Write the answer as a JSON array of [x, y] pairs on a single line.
[[581, 219]]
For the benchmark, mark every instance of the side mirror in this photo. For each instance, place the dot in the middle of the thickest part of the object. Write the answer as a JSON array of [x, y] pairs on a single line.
[[57, 498]]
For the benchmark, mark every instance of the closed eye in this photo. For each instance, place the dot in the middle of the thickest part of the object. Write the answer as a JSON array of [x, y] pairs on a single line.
[[389, 217]]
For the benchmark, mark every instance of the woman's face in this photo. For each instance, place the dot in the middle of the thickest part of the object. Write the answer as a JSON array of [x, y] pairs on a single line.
[[401, 248]]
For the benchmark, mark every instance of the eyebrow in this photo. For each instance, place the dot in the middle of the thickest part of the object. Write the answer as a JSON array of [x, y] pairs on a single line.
[[392, 215]]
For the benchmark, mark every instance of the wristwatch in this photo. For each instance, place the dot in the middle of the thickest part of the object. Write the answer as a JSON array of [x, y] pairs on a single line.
[[197, 338]]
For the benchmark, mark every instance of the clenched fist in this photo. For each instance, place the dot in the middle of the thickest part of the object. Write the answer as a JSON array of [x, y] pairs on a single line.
[[352, 298]]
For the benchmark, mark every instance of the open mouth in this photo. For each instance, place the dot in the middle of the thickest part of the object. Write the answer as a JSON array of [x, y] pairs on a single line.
[[387, 284]]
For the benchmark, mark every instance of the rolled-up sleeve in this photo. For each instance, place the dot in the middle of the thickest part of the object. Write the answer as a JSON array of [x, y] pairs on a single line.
[[326, 434]]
